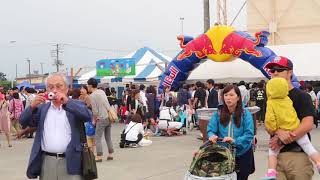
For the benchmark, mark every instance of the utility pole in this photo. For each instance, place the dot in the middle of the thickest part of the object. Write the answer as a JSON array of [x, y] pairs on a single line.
[[16, 71], [42, 72], [41, 68], [222, 12], [28, 60], [55, 54], [206, 15], [181, 19]]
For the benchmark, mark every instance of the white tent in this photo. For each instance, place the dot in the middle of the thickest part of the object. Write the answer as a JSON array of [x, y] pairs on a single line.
[[149, 67], [305, 58]]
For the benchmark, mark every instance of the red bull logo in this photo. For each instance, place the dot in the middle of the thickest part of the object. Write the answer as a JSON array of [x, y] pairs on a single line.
[[200, 46], [168, 80], [236, 44]]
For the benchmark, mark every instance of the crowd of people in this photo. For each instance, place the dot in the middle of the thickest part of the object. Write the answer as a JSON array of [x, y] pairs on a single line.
[[149, 113]]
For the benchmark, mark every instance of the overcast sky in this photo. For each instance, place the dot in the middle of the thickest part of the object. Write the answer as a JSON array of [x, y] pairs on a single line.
[[96, 29]]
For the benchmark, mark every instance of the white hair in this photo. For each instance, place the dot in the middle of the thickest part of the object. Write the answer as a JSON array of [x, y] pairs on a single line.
[[62, 75]]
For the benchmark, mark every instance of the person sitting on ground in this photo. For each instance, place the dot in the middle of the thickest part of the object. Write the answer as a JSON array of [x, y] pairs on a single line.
[[280, 114], [135, 133], [152, 128], [166, 123]]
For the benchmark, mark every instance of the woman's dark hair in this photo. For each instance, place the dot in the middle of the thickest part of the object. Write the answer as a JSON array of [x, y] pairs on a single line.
[[134, 92], [221, 86], [169, 103], [260, 85], [108, 92], [85, 87], [148, 90], [75, 93], [224, 112], [15, 95], [136, 118], [153, 90], [199, 84], [309, 87], [113, 90]]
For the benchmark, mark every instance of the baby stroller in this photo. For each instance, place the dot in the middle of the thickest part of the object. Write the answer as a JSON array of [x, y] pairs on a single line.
[[213, 162]]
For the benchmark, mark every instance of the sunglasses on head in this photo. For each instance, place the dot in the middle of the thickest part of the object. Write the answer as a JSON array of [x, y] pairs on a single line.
[[273, 70]]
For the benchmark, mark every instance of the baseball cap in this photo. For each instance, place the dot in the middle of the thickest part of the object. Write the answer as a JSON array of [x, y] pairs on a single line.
[[280, 61]]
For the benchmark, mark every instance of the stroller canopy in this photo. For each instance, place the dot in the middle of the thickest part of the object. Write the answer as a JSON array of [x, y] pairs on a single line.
[[214, 160]]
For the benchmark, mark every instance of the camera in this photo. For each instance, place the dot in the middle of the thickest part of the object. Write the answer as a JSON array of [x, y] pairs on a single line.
[[50, 96]]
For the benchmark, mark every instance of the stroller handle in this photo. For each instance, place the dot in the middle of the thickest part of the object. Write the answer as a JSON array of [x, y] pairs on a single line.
[[209, 143]]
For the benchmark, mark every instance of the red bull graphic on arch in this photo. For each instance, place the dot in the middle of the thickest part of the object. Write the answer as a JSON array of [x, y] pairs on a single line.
[[220, 44]]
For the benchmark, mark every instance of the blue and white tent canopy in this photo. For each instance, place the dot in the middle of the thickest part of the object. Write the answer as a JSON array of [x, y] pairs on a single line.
[[149, 67]]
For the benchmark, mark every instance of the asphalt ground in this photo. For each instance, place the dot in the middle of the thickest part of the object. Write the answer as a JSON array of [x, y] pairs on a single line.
[[168, 158]]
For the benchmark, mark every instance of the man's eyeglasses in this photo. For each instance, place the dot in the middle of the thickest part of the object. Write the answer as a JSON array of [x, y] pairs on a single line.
[[273, 70], [57, 86]]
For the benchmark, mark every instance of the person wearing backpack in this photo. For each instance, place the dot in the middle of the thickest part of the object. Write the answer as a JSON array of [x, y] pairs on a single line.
[[134, 133]]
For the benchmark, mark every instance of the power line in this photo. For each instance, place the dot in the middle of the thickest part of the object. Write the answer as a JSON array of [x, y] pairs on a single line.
[[238, 12]]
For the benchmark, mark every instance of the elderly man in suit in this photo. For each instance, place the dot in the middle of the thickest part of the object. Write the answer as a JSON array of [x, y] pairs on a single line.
[[56, 150]]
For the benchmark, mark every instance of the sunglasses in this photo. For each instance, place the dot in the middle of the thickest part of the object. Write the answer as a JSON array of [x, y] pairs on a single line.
[[273, 70]]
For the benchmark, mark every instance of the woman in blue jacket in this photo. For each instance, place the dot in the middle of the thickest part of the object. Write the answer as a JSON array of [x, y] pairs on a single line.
[[232, 116]]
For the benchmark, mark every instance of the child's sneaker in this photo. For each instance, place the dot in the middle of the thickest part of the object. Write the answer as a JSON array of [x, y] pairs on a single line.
[[270, 175]]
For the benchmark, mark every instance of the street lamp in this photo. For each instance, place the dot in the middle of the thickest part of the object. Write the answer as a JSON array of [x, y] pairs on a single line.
[[28, 60], [181, 20]]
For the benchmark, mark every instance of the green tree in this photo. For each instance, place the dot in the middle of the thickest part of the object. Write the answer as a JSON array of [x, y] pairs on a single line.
[[3, 76]]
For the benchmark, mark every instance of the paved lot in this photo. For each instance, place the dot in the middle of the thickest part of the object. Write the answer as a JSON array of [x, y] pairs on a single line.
[[167, 158]]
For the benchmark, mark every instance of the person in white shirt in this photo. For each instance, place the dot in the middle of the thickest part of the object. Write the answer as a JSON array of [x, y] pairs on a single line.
[[166, 123], [312, 94], [143, 98], [29, 96], [244, 93], [56, 151], [135, 133]]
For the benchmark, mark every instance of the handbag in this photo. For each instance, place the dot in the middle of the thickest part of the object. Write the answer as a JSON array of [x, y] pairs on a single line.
[[112, 114], [89, 167]]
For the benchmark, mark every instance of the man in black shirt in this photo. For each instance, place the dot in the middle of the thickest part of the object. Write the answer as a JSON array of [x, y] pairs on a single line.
[[293, 163], [200, 97]]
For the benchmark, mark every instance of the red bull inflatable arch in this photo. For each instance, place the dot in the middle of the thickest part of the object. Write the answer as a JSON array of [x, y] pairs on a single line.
[[220, 44]]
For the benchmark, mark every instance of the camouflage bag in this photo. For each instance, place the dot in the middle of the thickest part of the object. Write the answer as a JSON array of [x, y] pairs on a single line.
[[213, 160]]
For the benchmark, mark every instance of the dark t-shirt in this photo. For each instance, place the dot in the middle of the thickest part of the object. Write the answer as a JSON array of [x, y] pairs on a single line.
[[201, 95], [183, 97], [302, 103]]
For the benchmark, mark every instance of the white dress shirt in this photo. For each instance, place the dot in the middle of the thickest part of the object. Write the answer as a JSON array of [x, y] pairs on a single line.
[[57, 132]]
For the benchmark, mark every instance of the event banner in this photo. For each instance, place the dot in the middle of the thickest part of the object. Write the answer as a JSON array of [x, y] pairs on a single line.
[[116, 67]]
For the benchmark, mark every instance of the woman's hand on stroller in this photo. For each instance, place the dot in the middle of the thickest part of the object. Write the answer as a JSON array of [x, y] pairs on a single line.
[[228, 139], [213, 139]]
